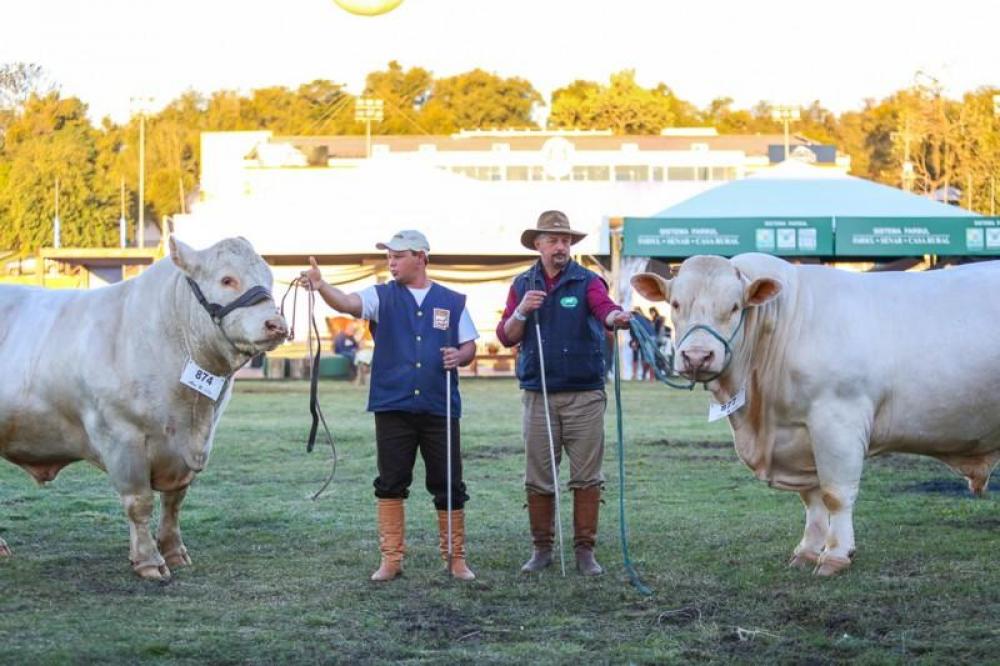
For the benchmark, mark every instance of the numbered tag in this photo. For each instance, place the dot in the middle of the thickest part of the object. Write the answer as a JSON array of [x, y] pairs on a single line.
[[442, 318], [717, 411], [202, 381]]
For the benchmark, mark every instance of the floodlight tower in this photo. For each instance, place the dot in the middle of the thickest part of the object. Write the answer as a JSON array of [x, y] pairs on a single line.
[[368, 110], [785, 114]]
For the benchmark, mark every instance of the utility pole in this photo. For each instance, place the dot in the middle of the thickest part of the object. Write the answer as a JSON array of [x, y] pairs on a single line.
[[122, 225], [786, 114], [56, 224], [141, 103], [368, 110], [908, 175]]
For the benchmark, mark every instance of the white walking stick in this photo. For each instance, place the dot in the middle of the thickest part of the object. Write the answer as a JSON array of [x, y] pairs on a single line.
[[552, 445], [447, 418]]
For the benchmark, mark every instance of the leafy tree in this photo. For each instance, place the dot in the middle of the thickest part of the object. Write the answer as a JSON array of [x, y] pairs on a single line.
[[479, 99], [404, 94], [623, 106], [52, 139]]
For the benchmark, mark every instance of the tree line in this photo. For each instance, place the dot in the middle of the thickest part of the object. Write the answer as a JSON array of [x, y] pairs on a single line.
[[916, 138]]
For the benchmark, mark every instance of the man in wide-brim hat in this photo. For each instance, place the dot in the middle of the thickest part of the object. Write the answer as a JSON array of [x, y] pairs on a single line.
[[574, 313]]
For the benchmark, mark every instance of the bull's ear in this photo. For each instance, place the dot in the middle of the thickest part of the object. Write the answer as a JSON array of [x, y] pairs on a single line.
[[651, 286], [761, 290], [184, 256]]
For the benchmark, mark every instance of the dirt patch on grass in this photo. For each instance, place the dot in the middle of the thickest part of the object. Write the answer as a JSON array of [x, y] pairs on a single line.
[[492, 452], [951, 487], [689, 444]]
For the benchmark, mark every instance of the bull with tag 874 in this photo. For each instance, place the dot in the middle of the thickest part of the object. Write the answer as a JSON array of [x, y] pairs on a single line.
[[105, 376], [833, 367]]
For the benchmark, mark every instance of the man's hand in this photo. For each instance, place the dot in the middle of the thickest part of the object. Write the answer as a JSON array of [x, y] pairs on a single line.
[[451, 357], [620, 319], [312, 279], [532, 301]]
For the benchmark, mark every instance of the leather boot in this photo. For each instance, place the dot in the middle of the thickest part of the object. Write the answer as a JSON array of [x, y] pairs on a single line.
[[391, 530], [586, 507], [541, 517], [459, 569]]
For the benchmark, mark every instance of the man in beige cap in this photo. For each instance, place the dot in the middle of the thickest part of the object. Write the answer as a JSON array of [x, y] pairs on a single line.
[[422, 331], [574, 312]]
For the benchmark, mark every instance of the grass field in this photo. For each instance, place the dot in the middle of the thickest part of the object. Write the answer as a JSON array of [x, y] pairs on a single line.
[[278, 578]]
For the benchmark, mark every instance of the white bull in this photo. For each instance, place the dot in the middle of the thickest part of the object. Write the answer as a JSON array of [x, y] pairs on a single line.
[[95, 376], [838, 366]]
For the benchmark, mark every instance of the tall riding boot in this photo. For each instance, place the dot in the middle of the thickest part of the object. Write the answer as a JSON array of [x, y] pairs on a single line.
[[541, 517], [459, 569], [586, 507], [391, 529]]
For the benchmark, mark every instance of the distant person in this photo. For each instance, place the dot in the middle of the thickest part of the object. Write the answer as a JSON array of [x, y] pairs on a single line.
[[640, 367], [344, 344], [423, 330]]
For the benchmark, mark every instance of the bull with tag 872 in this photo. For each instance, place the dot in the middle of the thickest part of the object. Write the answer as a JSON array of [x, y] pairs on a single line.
[[833, 367], [102, 376]]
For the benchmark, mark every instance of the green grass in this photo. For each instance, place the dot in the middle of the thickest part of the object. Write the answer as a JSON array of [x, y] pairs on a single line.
[[278, 578]]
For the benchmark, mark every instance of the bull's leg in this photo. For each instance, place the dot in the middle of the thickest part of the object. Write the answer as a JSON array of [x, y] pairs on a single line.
[[807, 553], [145, 557], [839, 432], [168, 538]]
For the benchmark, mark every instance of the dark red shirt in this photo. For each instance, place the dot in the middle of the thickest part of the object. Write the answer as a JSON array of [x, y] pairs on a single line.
[[598, 302]]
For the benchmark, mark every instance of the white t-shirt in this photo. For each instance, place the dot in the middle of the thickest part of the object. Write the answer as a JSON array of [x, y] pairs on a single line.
[[369, 310]]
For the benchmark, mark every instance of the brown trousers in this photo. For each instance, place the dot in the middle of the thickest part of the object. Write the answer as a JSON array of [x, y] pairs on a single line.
[[577, 428]]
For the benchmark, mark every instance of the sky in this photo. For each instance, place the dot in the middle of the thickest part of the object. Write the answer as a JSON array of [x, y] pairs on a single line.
[[784, 51]]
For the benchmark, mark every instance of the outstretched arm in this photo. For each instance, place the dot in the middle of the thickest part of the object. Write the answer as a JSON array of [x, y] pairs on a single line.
[[335, 298]]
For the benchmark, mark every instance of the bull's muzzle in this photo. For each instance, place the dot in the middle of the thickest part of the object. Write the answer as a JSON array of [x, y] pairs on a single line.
[[275, 328], [695, 361]]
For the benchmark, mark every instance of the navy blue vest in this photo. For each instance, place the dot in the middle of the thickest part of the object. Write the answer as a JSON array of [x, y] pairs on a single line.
[[407, 370], [572, 340]]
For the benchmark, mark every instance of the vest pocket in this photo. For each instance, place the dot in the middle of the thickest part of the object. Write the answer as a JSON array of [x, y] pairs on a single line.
[[581, 361]]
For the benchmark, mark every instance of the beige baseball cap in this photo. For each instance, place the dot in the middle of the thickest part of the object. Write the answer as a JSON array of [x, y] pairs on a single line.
[[407, 239]]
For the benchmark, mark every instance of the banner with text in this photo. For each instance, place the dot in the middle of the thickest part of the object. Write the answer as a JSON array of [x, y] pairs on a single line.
[[903, 237], [683, 237]]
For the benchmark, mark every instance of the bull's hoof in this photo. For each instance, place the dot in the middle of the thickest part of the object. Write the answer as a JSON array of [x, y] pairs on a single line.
[[805, 559], [178, 557], [5, 550], [152, 569], [829, 565]]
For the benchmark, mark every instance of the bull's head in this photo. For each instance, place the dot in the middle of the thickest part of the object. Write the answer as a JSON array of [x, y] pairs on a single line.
[[224, 274], [708, 299]]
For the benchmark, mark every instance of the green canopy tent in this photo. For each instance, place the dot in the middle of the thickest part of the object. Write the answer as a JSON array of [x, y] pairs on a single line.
[[798, 210]]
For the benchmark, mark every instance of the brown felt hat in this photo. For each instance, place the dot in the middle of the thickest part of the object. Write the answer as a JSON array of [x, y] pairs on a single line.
[[550, 222]]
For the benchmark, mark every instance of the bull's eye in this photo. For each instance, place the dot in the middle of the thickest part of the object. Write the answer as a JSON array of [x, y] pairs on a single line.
[[675, 305], [735, 308], [228, 281]]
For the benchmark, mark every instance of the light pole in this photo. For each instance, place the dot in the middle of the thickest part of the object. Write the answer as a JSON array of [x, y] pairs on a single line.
[[785, 114], [993, 185], [122, 225], [56, 224], [141, 103], [367, 110]]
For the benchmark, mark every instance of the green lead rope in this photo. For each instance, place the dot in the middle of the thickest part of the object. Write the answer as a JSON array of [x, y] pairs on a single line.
[[633, 576]]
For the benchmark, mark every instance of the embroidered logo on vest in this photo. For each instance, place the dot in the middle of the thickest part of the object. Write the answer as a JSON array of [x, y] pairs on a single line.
[[442, 319], [569, 301]]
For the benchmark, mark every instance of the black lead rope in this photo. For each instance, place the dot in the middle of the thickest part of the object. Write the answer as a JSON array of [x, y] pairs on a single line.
[[314, 407]]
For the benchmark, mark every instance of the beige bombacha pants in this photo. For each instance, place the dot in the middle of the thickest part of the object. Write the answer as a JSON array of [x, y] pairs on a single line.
[[577, 427]]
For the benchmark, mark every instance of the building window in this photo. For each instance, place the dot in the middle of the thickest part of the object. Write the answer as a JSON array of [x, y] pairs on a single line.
[[658, 174], [703, 173], [537, 173], [680, 173], [517, 173], [723, 173], [591, 173], [632, 172]]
